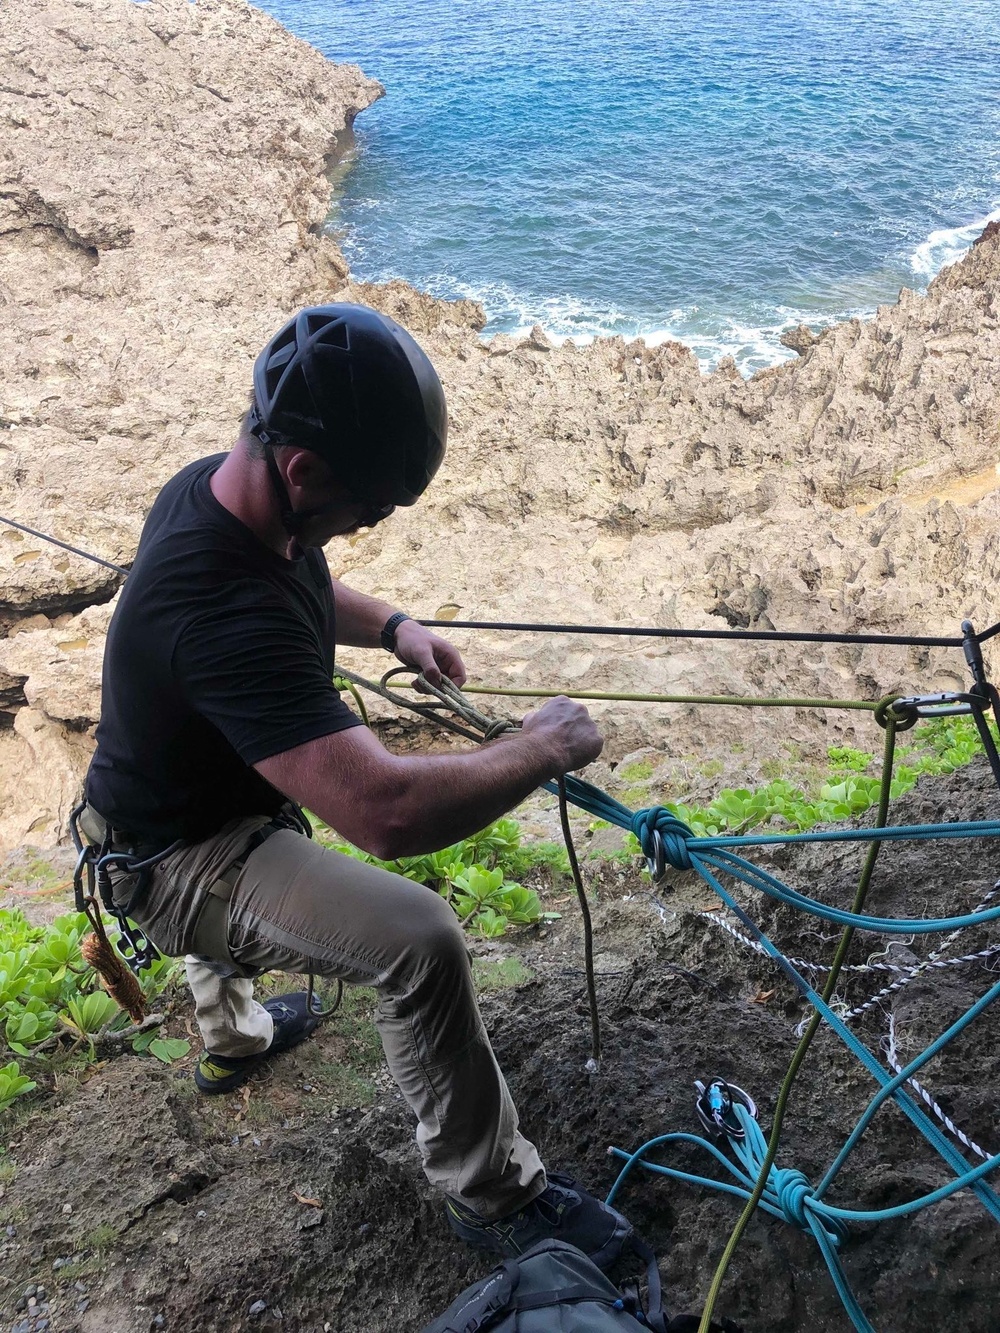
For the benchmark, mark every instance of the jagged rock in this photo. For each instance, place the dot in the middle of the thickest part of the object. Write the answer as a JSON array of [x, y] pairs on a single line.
[[799, 339], [166, 166]]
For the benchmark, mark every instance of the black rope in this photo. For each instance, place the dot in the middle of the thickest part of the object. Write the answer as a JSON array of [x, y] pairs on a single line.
[[774, 636], [632, 631], [588, 931], [65, 545]]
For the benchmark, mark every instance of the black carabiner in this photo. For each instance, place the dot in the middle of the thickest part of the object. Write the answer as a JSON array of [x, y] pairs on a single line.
[[656, 862]]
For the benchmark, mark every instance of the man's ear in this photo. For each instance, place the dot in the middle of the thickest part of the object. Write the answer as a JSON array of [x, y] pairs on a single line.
[[306, 470]]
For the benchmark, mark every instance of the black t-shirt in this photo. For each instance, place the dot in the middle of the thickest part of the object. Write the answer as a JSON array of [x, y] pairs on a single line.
[[220, 653]]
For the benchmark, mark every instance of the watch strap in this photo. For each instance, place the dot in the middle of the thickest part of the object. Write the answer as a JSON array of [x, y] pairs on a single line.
[[388, 635]]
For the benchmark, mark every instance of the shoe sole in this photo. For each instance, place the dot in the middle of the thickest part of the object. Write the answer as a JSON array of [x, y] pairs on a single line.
[[219, 1086]]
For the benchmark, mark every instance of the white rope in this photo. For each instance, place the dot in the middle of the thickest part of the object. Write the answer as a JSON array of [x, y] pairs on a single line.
[[888, 1044], [906, 973], [909, 971]]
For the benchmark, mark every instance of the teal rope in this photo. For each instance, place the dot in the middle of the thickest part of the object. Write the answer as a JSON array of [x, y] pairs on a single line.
[[788, 1195], [760, 879], [685, 851], [903, 1077], [907, 1105]]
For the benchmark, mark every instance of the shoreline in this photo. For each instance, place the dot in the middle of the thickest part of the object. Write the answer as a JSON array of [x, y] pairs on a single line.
[[745, 344]]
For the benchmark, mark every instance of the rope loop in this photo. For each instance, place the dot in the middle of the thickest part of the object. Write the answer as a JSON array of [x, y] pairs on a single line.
[[892, 709], [674, 835], [792, 1188]]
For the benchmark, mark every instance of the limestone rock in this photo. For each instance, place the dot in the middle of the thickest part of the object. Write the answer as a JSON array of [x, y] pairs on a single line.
[[799, 339], [166, 193]]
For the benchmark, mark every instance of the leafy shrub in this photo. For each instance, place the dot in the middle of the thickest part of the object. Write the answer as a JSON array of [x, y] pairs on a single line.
[[942, 745], [13, 1084], [48, 992]]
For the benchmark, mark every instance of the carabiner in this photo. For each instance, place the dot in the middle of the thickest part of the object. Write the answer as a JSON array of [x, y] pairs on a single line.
[[715, 1104], [656, 862]]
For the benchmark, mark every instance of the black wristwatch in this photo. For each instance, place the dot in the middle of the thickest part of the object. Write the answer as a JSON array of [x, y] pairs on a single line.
[[388, 635]]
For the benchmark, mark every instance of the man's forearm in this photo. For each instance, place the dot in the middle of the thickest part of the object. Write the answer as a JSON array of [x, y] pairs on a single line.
[[440, 799], [394, 805], [359, 617]]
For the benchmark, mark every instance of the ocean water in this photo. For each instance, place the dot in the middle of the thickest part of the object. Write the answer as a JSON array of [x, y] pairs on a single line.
[[714, 171]]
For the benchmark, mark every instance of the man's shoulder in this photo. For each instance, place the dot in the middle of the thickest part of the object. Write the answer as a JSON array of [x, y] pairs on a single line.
[[184, 482], [185, 506]]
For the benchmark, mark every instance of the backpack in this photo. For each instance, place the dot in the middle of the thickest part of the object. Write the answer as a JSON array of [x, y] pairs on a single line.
[[555, 1288]]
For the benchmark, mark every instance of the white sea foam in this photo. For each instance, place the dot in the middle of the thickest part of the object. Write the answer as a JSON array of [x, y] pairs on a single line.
[[946, 245], [752, 346]]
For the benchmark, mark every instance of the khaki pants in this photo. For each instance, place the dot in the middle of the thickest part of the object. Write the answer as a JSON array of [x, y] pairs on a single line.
[[298, 907]]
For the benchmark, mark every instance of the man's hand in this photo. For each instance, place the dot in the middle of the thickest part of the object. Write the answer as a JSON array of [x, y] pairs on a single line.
[[419, 648], [570, 731]]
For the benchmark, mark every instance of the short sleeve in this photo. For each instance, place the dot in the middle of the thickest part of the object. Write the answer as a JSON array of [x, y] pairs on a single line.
[[257, 672]]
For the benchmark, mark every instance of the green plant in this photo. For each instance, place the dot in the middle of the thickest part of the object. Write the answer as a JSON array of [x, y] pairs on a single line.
[[166, 1049], [940, 746], [844, 757], [86, 1015], [48, 992], [28, 1024], [638, 771], [493, 974], [13, 1084], [101, 1238]]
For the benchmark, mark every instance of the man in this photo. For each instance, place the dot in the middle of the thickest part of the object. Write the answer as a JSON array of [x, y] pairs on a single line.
[[219, 712]]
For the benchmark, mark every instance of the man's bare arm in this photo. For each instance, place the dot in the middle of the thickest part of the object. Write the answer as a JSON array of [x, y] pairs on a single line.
[[359, 624], [393, 805], [359, 617]]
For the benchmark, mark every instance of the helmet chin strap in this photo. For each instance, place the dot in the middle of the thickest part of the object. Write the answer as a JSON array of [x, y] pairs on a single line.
[[292, 520]]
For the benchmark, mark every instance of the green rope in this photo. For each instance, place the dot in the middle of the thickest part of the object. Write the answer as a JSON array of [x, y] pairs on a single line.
[[840, 957], [750, 701], [344, 681]]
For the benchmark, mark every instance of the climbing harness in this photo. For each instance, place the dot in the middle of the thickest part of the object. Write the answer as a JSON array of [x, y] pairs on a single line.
[[119, 963], [92, 877]]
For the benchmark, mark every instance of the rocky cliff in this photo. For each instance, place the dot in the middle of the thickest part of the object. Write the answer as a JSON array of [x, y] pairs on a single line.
[[165, 187]]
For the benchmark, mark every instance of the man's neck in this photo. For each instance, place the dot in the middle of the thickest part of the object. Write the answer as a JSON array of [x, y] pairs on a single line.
[[245, 492]]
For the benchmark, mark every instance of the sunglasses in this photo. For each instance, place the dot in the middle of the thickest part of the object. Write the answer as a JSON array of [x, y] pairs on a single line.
[[373, 514]]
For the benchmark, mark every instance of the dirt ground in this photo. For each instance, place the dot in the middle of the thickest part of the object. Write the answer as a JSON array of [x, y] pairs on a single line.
[[132, 1204]]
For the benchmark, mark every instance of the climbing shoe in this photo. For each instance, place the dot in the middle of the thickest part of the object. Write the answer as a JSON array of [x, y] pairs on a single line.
[[292, 1023], [563, 1211]]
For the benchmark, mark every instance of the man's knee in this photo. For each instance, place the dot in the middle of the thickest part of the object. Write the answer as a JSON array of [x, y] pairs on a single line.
[[437, 937]]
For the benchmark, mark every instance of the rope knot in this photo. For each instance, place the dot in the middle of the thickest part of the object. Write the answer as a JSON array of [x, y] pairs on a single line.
[[674, 836], [793, 1191], [792, 1188], [893, 709]]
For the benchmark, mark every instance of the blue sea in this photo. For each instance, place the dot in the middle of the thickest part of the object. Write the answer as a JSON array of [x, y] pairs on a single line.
[[714, 171]]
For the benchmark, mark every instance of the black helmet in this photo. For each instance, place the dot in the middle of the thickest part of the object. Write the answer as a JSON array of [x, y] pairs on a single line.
[[356, 388]]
